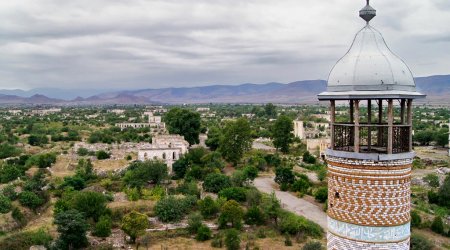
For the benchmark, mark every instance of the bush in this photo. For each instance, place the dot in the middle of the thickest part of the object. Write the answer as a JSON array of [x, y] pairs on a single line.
[[208, 207], [444, 193], [294, 224], [321, 194], [432, 180], [203, 233], [301, 185], [308, 158], [415, 219], [30, 199], [26, 239], [216, 182], [140, 173], [132, 194], [5, 204], [154, 194], [72, 228], [102, 155], [234, 193], [254, 216], [312, 245], [168, 209], [92, 204], [217, 241], [134, 224], [77, 182], [82, 151], [232, 213], [10, 192], [103, 227], [194, 222], [232, 240], [419, 242], [284, 175], [433, 197], [438, 225], [18, 216], [9, 173]]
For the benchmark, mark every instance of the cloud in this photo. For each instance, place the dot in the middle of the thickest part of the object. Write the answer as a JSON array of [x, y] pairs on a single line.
[[159, 43]]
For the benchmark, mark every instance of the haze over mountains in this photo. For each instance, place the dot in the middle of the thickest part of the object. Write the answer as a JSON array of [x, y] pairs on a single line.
[[303, 92]]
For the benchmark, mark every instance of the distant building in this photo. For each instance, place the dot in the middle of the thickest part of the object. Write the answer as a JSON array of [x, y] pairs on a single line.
[[42, 112], [117, 111], [202, 109], [15, 111], [153, 122], [167, 148]]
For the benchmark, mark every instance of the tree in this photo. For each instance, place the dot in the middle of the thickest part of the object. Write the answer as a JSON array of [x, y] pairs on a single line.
[[180, 167], [5, 204], [231, 212], [284, 175], [424, 137], [232, 240], [238, 178], [236, 140], [208, 207], [72, 228], [271, 207], [308, 158], [103, 227], [92, 204], [441, 137], [37, 140], [9, 173], [214, 138], [438, 225], [140, 173], [282, 133], [77, 182], [168, 209], [432, 180], [216, 182], [234, 193], [184, 122], [250, 173], [270, 110], [444, 193], [321, 194], [203, 233], [194, 222], [31, 200], [134, 224]]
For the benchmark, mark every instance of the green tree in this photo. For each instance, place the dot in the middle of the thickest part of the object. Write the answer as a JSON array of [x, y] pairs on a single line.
[[284, 175], [9, 173], [270, 110], [194, 222], [216, 182], [271, 207], [208, 207], [5, 204], [282, 133], [102, 155], [169, 209], [140, 173], [232, 240], [254, 216], [184, 122], [203, 233], [416, 220], [72, 228], [231, 212], [321, 194], [214, 138], [308, 158], [234, 193], [8, 150], [441, 137], [103, 226], [92, 204], [236, 140], [134, 224], [432, 180], [250, 173]]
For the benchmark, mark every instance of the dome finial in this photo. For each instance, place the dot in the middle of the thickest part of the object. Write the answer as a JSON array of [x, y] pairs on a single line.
[[367, 13]]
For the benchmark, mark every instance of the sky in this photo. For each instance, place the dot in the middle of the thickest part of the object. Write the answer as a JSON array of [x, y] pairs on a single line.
[[131, 44]]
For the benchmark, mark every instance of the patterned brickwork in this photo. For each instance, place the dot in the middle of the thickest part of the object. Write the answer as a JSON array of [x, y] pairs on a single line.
[[338, 243], [369, 193]]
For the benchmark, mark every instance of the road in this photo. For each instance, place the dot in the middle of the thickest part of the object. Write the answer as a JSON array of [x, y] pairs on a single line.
[[293, 203]]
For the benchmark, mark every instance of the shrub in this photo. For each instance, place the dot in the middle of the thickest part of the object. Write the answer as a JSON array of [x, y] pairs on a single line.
[[415, 219], [134, 224], [102, 155], [232, 240], [9, 173], [432, 180], [132, 194], [308, 158], [444, 193], [26, 239], [189, 188], [433, 197], [103, 227], [287, 240], [168, 209], [5, 204], [216, 182], [82, 151], [154, 194], [321, 194], [92, 204], [140, 173], [438, 225], [312, 245], [77, 182], [208, 207], [250, 173], [284, 175], [203, 233], [234, 193], [194, 222], [18, 216], [71, 227], [30, 199], [254, 216], [301, 185], [294, 224], [217, 241], [254, 197], [189, 202], [10, 192], [419, 242]]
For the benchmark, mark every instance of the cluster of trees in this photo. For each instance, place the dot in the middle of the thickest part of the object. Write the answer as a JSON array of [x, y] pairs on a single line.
[[116, 135], [184, 122], [426, 136]]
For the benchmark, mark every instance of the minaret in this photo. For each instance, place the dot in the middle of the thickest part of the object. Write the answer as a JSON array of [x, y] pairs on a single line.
[[370, 157]]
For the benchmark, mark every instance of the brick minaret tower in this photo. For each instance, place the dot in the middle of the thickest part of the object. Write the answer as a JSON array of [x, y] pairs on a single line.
[[369, 161]]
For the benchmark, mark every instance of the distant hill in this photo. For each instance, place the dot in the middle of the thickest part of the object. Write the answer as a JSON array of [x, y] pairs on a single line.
[[436, 87]]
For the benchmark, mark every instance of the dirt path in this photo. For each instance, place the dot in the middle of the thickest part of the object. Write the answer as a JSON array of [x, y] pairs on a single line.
[[292, 203]]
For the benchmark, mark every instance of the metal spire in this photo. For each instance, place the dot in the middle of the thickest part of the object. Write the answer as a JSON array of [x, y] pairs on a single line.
[[367, 13]]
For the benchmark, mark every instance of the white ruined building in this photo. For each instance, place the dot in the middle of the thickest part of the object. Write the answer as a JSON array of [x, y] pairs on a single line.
[[153, 122], [42, 112], [168, 148], [299, 130]]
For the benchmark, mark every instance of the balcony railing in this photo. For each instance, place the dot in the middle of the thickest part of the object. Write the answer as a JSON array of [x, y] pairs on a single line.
[[373, 138]]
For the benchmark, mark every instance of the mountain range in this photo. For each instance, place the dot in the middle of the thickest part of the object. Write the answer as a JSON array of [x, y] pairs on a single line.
[[437, 89]]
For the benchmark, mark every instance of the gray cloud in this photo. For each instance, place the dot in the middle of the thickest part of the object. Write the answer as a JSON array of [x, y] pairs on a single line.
[[159, 43]]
